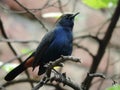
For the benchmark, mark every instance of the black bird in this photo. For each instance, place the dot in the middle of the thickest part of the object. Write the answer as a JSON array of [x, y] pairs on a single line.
[[54, 44]]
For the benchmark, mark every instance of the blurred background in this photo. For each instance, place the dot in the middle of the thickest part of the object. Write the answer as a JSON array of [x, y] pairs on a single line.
[[25, 23]]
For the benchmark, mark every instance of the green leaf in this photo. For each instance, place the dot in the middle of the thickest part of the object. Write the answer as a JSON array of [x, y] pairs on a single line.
[[98, 4], [8, 67], [114, 87], [25, 50]]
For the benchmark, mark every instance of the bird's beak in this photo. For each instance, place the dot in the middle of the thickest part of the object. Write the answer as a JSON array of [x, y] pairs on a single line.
[[73, 16]]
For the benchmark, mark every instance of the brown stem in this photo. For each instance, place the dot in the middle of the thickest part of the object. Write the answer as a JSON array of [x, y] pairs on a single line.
[[103, 44], [12, 49]]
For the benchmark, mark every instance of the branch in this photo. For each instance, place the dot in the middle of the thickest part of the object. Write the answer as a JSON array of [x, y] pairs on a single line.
[[78, 46], [65, 80], [103, 44], [16, 57], [18, 81], [11, 47], [46, 5], [27, 10], [97, 75], [103, 24], [101, 76], [106, 69], [89, 36], [18, 41], [60, 6]]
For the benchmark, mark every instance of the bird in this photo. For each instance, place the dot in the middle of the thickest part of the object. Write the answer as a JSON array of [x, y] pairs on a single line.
[[55, 43]]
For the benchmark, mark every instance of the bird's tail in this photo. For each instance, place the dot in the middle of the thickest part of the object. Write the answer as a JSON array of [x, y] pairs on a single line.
[[11, 75], [19, 69]]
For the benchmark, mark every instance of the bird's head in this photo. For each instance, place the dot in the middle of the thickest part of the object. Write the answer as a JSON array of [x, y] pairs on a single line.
[[67, 20]]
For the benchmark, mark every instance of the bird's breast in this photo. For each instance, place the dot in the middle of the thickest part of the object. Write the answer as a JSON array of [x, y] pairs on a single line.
[[61, 45]]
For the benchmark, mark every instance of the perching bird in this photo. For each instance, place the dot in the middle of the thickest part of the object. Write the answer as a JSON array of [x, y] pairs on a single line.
[[54, 44]]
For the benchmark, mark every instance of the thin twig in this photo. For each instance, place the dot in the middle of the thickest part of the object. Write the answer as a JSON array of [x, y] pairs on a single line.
[[16, 57], [60, 6], [18, 41], [89, 36], [78, 46], [27, 10], [50, 66], [45, 6], [11, 47], [96, 75], [103, 24], [101, 76], [18, 81], [26, 81]]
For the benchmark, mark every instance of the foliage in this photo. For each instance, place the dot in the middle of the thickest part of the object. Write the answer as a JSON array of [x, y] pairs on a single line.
[[99, 4], [114, 87]]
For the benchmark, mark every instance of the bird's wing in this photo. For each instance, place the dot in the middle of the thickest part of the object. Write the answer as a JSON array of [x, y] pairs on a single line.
[[45, 42]]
